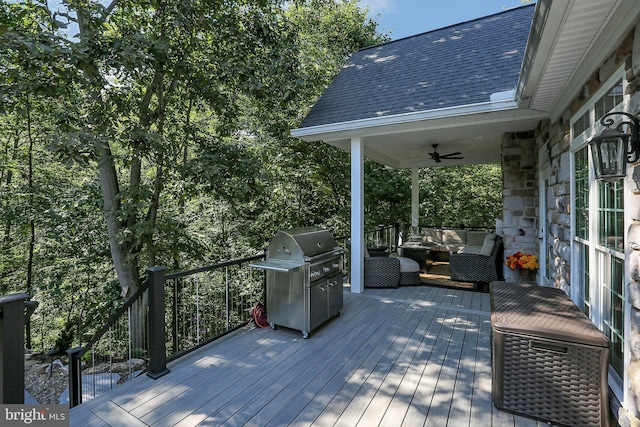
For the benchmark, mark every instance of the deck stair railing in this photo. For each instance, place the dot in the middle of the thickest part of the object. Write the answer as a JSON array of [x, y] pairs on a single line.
[[15, 311], [169, 316]]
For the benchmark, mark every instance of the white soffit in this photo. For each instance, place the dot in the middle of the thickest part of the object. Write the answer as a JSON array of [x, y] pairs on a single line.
[[578, 37]]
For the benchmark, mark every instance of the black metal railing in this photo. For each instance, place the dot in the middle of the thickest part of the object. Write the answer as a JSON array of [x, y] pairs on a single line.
[[385, 236], [116, 353], [206, 303], [458, 227], [174, 314], [170, 315], [382, 236]]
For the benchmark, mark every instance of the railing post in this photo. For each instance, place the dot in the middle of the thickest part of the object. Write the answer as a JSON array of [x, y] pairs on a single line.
[[264, 278], [157, 341], [12, 320], [174, 316], [226, 295], [75, 376], [380, 238]]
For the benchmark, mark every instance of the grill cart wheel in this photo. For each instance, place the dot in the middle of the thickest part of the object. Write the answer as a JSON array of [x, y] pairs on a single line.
[[305, 335], [273, 326]]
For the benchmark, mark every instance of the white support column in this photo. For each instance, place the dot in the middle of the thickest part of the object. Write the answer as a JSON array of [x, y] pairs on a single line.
[[415, 198], [357, 215]]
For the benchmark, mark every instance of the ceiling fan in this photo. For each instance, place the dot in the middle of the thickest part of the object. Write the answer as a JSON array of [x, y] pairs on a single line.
[[437, 157]]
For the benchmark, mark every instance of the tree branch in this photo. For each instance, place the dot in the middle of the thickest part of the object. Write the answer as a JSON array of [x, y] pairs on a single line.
[[108, 10]]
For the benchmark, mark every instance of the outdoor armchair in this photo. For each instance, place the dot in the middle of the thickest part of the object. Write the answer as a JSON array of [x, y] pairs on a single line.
[[381, 272], [477, 267], [391, 272]]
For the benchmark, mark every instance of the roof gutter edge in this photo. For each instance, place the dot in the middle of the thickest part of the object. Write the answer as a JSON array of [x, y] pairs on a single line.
[[483, 107]]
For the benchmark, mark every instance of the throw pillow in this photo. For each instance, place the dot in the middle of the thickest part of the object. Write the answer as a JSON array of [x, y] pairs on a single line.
[[487, 246]]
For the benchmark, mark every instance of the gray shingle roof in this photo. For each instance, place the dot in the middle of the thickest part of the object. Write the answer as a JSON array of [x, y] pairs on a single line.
[[459, 65]]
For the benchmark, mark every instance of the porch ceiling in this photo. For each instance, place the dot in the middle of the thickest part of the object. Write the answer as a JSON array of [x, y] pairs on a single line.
[[569, 40], [407, 144]]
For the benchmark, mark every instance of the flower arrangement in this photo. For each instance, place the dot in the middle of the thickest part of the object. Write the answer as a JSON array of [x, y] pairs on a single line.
[[521, 261]]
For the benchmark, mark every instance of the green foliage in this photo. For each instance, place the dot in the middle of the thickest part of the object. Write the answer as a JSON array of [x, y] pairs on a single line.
[[463, 195], [158, 134], [387, 196]]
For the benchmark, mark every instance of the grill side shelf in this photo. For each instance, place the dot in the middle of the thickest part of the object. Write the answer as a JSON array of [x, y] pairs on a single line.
[[283, 266]]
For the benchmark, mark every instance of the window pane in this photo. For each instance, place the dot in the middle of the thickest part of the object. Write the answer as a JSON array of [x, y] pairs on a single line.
[[584, 299], [611, 215], [617, 355], [581, 124], [613, 309], [617, 278], [609, 100], [582, 193]]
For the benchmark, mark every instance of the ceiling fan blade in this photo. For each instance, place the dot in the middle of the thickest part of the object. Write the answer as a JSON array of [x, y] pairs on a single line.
[[457, 153], [452, 158]]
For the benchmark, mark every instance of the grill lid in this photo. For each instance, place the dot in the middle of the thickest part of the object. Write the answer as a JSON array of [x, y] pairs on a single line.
[[301, 243], [289, 250]]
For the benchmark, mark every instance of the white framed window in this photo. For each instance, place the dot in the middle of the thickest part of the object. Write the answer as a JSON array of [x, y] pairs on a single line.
[[598, 225]]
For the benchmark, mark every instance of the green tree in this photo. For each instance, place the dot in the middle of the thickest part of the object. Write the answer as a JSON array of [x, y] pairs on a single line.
[[461, 195], [171, 123], [138, 71], [309, 183]]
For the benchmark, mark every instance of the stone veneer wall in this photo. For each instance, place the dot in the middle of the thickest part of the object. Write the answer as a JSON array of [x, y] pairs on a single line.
[[554, 140], [519, 195], [556, 136]]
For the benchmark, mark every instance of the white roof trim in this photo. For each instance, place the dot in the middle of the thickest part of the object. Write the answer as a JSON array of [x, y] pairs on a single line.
[[617, 25], [308, 133]]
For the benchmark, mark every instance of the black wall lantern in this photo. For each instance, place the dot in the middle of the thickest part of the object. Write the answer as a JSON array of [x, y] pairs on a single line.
[[614, 148]]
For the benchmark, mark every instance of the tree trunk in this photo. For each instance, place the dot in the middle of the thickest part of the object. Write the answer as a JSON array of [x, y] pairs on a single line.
[[32, 225], [125, 266], [124, 261]]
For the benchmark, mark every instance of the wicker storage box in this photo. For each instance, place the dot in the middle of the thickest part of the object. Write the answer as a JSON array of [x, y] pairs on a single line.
[[548, 360]]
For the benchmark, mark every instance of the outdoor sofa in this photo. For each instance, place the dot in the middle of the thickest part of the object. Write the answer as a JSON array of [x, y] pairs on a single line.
[[474, 255], [449, 240]]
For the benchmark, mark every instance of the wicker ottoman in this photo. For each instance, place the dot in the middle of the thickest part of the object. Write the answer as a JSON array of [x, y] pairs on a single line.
[[548, 360], [409, 272]]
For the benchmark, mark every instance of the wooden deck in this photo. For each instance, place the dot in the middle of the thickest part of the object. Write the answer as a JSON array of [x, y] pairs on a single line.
[[411, 356]]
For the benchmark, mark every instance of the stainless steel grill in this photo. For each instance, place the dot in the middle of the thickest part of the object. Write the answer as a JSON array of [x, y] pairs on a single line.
[[304, 278]]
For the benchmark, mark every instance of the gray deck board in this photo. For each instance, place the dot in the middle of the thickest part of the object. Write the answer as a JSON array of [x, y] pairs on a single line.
[[410, 356], [376, 376], [321, 358], [345, 383], [288, 404], [386, 392]]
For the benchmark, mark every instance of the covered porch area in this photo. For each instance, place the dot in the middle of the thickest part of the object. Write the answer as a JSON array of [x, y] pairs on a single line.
[[449, 97]]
